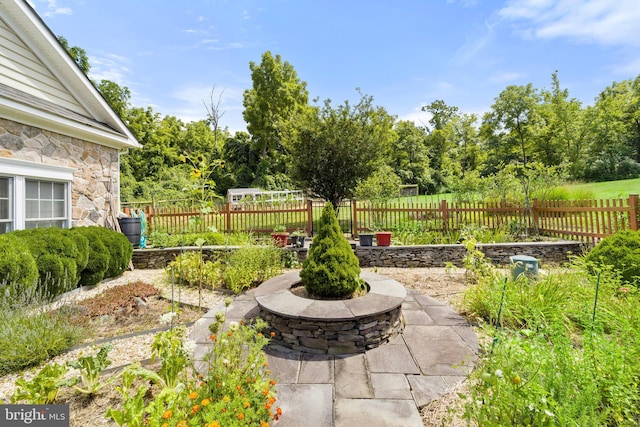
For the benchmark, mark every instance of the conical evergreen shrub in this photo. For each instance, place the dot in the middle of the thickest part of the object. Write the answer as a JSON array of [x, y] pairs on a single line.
[[331, 269]]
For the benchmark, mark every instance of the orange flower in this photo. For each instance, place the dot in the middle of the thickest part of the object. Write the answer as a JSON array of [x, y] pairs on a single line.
[[273, 334], [212, 337], [213, 424], [265, 391], [241, 417], [167, 414], [164, 425], [272, 400], [246, 404], [238, 387], [266, 363], [264, 424], [205, 402], [229, 333], [272, 383], [194, 409], [267, 405], [279, 410], [193, 395], [260, 334], [182, 423]]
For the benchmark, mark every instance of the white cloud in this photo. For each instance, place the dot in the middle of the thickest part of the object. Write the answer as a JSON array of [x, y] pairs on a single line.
[[631, 68], [110, 67], [474, 45], [594, 21], [54, 9], [417, 116], [505, 77]]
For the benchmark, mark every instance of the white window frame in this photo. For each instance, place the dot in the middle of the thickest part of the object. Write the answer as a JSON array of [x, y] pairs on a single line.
[[20, 171]]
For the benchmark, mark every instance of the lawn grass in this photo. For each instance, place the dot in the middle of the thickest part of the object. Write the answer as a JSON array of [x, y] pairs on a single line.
[[608, 189]]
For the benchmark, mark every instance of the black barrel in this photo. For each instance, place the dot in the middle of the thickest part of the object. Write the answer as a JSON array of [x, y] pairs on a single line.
[[132, 228]]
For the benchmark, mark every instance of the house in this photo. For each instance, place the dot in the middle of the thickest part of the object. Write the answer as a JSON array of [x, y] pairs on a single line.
[[60, 141]]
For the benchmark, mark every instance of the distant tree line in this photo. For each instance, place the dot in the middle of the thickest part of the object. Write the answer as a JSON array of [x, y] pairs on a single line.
[[331, 150]]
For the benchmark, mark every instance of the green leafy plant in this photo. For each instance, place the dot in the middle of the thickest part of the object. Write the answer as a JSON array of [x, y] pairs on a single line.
[[233, 387], [90, 368], [620, 251], [331, 269], [251, 265], [43, 388], [191, 269]]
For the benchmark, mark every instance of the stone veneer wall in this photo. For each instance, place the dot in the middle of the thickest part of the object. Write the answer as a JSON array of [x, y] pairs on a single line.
[[397, 256], [96, 180], [334, 337]]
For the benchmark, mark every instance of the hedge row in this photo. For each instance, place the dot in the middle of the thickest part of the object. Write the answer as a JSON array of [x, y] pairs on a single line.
[[57, 260]]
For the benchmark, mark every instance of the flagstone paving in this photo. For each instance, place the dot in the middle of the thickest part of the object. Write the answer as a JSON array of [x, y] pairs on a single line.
[[385, 386]]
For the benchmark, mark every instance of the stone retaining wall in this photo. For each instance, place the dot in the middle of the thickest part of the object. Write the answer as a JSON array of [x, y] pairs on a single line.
[[395, 256], [334, 337]]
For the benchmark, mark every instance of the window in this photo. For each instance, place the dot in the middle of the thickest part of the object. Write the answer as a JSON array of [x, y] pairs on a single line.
[[6, 209], [45, 204], [34, 195]]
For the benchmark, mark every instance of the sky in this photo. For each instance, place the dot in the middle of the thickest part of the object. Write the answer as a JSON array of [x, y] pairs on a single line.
[[404, 53]]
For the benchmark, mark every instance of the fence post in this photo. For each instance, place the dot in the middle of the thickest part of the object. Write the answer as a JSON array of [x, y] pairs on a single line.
[[310, 217], [633, 211], [534, 211], [354, 221], [445, 215], [148, 213], [227, 210]]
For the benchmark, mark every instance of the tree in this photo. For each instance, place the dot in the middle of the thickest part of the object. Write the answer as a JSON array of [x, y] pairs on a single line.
[[277, 95], [331, 269], [560, 139], [78, 55], [336, 148], [116, 96], [439, 142], [512, 124], [408, 156]]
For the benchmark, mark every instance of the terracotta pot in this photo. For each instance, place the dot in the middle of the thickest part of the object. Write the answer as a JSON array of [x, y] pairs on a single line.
[[383, 238], [280, 239]]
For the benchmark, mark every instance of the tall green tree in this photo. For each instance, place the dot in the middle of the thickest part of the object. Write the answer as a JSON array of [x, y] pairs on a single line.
[[511, 126], [276, 97], [439, 142], [613, 133], [560, 139], [337, 147], [409, 156]]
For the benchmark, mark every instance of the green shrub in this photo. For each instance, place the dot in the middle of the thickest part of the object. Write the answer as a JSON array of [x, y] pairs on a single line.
[[18, 268], [331, 268], [56, 255], [191, 269], [82, 242], [98, 257], [160, 239], [251, 265], [118, 247], [621, 252]]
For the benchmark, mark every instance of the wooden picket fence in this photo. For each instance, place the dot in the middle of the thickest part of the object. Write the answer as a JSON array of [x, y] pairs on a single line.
[[581, 220]]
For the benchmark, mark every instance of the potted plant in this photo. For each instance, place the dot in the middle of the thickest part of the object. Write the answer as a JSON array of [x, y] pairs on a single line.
[[280, 236], [297, 238], [365, 239], [383, 238]]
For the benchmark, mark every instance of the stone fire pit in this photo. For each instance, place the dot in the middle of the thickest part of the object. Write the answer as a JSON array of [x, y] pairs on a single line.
[[332, 326]]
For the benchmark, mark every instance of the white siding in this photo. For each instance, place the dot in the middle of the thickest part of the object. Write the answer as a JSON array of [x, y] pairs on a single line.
[[22, 70]]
